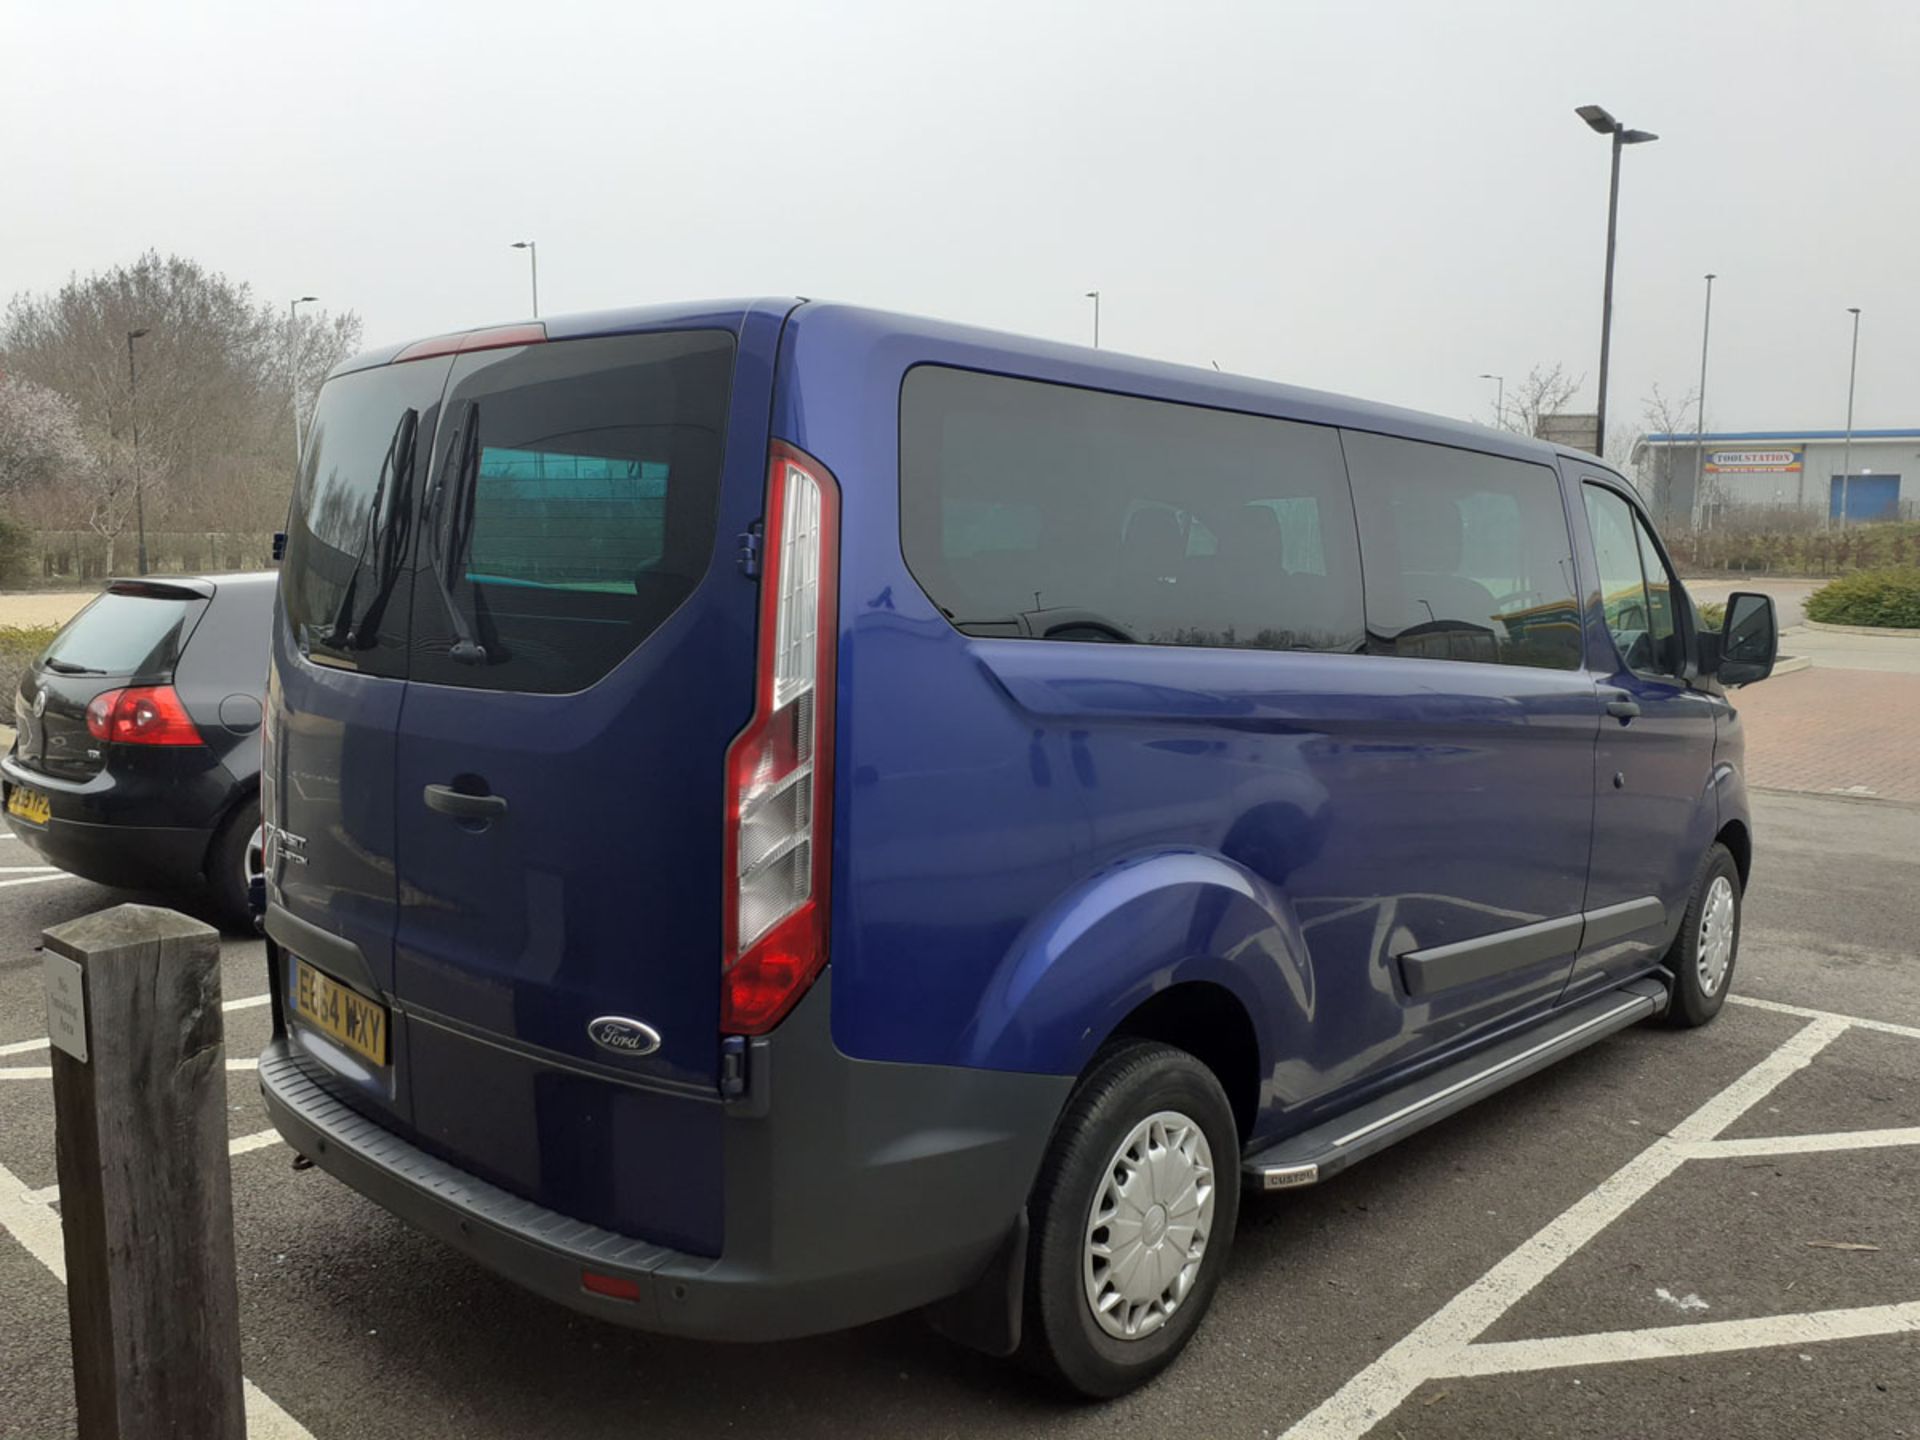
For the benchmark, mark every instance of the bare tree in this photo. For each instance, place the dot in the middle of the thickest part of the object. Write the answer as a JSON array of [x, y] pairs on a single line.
[[1662, 467], [220, 377], [1545, 391]]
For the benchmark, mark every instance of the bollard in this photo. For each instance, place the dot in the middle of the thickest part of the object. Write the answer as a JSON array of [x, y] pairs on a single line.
[[140, 1109]]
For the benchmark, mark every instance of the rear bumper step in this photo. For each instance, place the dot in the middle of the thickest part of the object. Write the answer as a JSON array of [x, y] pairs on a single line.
[[1330, 1147]]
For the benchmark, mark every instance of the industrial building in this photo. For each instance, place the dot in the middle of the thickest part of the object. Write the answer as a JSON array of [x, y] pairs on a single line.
[[1707, 479]]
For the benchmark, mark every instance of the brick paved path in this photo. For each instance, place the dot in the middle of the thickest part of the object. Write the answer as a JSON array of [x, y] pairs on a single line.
[[1829, 730]]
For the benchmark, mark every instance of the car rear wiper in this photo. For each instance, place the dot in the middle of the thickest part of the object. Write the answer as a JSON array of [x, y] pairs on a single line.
[[445, 552], [395, 467], [67, 667]]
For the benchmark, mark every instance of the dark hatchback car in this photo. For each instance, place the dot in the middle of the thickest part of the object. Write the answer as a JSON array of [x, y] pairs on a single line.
[[137, 759]]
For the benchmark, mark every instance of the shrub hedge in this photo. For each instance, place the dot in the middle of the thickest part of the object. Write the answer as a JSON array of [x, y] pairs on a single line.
[[18, 646], [1881, 598]]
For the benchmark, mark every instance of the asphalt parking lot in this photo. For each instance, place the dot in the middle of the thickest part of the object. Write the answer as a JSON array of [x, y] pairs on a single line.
[[1674, 1234]]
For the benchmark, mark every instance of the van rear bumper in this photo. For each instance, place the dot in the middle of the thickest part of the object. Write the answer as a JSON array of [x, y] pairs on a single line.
[[854, 1190]]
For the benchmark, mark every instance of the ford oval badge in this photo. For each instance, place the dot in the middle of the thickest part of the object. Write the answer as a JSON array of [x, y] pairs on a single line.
[[623, 1036]]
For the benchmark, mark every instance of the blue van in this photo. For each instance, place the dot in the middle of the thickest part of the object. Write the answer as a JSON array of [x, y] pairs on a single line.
[[780, 814]]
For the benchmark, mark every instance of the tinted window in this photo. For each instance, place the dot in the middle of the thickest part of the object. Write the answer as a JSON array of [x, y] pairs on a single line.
[[1635, 593], [353, 506], [1662, 591], [122, 635], [1047, 511], [572, 504], [1466, 555]]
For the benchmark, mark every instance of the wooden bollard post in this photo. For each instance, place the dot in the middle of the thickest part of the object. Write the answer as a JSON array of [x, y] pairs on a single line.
[[140, 1106]]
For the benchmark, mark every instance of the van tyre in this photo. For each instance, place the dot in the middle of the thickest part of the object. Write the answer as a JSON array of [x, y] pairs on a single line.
[[1703, 953], [232, 860], [1133, 1218]]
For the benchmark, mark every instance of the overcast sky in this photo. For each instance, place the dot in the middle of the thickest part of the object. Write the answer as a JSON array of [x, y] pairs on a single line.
[[1381, 199]]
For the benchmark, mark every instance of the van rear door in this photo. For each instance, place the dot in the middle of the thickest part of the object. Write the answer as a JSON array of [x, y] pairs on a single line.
[[582, 655], [333, 699]]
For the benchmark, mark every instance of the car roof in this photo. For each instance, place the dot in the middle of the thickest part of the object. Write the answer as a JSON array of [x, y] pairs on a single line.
[[1073, 364]]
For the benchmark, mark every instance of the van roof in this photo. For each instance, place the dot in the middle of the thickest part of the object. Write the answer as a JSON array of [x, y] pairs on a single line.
[[838, 324]]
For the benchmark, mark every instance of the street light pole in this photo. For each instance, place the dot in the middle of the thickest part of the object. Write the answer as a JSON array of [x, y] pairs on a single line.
[[1602, 122], [1846, 453], [1499, 398], [533, 256], [133, 404], [1094, 296], [293, 371], [1700, 415]]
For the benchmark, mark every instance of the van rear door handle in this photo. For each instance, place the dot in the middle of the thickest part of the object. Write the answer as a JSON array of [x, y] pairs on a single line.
[[1623, 707], [461, 805]]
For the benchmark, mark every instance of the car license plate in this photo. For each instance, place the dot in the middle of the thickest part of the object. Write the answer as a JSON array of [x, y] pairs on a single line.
[[30, 805], [349, 1017]]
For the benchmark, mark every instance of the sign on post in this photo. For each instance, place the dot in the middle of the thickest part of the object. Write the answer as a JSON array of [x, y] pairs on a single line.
[[66, 1006], [140, 1116]]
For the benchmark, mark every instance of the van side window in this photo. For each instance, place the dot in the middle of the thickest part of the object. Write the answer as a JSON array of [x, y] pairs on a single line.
[[1039, 511], [572, 504], [1466, 556], [1636, 593]]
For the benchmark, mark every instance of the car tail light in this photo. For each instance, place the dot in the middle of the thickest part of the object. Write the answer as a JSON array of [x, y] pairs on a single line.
[[780, 768], [141, 715]]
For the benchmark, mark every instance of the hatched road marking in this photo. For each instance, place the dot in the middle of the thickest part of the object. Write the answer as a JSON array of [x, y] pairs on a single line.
[[37, 1227], [1443, 1346]]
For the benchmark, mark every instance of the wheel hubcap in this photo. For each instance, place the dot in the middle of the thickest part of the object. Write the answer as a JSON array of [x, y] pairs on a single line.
[[253, 863], [1147, 1229], [1716, 935]]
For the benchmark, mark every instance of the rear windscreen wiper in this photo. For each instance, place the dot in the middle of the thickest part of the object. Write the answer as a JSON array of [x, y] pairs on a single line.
[[67, 667], [448, 547], [395, 467]]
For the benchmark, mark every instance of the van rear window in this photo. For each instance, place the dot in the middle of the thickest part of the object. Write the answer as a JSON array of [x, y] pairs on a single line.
[[1039, 511], [586, 511]]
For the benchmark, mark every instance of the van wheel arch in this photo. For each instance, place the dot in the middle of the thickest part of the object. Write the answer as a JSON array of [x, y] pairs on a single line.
[[1739, 842], [1212, 1024]]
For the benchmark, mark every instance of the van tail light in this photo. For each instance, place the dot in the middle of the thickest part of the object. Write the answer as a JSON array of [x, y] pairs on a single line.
[[780, 768], [141, 715]]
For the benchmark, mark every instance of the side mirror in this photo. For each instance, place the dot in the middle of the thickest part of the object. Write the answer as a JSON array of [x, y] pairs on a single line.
[[1749, 640]]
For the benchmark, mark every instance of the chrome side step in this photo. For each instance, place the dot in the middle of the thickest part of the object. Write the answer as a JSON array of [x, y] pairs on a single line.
[[1331, 1146]]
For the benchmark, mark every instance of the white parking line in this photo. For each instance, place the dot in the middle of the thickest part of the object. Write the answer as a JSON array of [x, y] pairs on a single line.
[[1885, 1027], [239, 1145], [45, 1072], [37, 1227], [27, 1047], [1511, 1357], [27, 869], [1804, 1144], [1436, 1347], [38, 879]]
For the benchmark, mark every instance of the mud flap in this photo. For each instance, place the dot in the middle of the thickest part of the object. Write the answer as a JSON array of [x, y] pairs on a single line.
[[986, 1315]]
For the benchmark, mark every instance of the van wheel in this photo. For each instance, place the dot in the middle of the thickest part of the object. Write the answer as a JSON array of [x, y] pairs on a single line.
[[1133, 1218], [1704, 951], [233, 860]]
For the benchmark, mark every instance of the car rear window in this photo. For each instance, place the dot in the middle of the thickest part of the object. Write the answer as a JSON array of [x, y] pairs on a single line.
[[588, 512], [1040, 511], [122, 635]]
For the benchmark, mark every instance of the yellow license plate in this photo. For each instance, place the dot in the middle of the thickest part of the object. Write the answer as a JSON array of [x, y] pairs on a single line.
[[349, 1017], [29, 805]]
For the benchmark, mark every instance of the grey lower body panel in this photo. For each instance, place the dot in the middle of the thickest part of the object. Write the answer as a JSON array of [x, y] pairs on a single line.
[[854, 1190]]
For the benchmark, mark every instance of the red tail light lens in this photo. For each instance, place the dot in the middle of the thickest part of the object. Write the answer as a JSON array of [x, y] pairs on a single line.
[[780, 768], [497, 338], [141, 715]]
